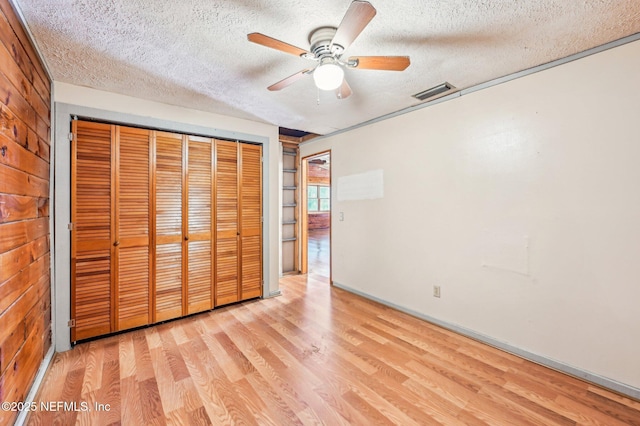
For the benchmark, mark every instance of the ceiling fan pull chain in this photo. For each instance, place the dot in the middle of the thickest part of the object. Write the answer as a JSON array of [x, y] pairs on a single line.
[[318, 98]]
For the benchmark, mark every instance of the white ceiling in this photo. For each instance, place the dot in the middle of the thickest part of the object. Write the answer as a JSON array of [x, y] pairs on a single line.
[[195, 53]]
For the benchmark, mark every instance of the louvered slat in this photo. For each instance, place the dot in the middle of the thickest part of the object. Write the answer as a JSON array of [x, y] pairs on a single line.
[[199, 276], [200, 282], [91, 236], [251, 223], [168, 289], [226, 270], [133, 287], [168, 185], [133, 228], [168, 281]]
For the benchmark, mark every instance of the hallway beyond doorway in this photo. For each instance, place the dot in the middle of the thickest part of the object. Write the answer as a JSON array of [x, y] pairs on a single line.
[[318, 250]]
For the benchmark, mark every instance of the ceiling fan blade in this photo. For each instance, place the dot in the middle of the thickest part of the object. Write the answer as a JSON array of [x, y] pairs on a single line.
[[357, 17], [386, 63], [289, 80], [275, 44], [344, 91]]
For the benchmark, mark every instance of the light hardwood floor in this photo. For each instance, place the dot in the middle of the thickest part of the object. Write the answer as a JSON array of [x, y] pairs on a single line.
[[318, 250], [316, 355]]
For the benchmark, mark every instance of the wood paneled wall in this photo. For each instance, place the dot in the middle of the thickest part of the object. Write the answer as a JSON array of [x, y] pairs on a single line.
[[25, 311], [318, 174], [319, 220]]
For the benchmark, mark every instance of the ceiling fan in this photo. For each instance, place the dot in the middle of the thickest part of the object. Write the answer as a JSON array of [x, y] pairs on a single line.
[[327, 44]]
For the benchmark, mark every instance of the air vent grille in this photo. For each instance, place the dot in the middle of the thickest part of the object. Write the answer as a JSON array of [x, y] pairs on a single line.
[[434, 91]]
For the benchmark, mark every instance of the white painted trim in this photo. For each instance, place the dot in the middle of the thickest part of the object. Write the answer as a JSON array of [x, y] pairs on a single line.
[[485, 85], [605, 382], [35, 386], [62, 213]]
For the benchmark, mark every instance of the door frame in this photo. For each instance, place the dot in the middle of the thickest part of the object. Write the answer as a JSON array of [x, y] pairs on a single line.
[[304, 214]]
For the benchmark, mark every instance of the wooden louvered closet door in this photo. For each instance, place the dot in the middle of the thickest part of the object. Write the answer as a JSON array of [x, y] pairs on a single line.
[[168, 226], [250, 221], [164, 225], [199, 225], [132, 213], [91, 245], [227, 229]]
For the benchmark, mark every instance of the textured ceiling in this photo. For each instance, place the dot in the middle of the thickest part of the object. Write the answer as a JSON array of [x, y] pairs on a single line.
[[195, 53]]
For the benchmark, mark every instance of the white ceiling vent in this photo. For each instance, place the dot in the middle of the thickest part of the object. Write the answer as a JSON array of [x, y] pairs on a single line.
[[434, 91]]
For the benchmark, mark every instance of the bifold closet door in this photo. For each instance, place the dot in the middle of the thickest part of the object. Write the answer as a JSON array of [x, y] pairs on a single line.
[[250, 207], [91, 245], [132, 246], [164, 225], [227, 223], [168, 226], [199, 242]]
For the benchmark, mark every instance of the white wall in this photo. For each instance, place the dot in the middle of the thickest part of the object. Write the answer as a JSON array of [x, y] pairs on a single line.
[[69, 99], [521, 201]]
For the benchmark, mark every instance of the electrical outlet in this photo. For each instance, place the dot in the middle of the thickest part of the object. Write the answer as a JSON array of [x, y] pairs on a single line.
[[436, 291], [341, 216]]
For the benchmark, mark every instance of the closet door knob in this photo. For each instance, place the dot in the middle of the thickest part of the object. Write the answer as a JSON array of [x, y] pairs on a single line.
[[186, 238], [116, 244]]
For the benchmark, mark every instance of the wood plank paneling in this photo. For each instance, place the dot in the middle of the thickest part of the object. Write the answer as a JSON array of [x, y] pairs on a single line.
[[251, 221], [227, 223], [200, 209], [19, 157], [25, 311], [15, 207], [133, 210], [168, 218], [91, 234]]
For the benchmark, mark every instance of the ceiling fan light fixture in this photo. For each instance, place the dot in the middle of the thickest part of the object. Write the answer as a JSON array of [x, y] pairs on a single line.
[[328, 76]]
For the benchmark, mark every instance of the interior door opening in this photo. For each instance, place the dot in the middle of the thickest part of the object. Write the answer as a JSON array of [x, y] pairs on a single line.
[[316, 215]]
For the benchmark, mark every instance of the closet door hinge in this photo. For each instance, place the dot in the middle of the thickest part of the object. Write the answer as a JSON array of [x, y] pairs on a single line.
[[70, 226], [70, 136], [71, 323], [261, 219]]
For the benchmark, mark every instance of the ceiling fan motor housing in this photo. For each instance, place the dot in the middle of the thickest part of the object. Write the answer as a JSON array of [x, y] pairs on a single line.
[[320, 41]]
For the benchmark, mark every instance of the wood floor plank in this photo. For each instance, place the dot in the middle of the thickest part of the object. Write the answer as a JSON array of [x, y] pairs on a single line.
[[131, 404], [127, 360], [213, 404], [315, 355]]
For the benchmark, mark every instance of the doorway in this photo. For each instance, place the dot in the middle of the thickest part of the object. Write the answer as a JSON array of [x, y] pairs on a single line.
[[316, 215]]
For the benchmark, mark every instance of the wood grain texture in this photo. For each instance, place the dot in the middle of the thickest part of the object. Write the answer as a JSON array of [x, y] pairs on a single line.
[[316, 355], [199, 226], [25, 311], [227, 223], [250, 221], [133, 231], [168, 219], [91, 236], [385, 63], [152, 222]]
